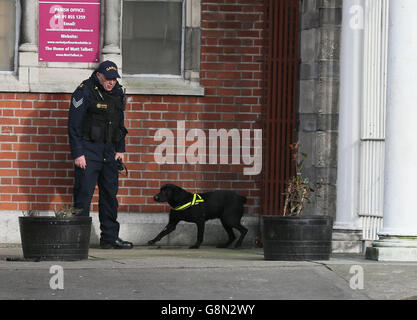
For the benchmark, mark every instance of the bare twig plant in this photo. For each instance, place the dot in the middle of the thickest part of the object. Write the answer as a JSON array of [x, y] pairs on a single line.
[[298, 190]]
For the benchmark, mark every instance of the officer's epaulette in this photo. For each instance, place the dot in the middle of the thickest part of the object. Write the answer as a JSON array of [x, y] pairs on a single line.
[[82, 84]]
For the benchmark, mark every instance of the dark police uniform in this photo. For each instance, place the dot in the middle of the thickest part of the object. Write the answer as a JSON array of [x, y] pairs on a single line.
[[96, 130]]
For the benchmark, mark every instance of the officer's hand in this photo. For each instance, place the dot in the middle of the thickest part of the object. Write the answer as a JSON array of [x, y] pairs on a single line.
[[80, 162], [119, 155]]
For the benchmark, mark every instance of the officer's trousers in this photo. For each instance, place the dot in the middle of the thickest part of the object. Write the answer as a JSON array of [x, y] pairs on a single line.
[[105, 174]]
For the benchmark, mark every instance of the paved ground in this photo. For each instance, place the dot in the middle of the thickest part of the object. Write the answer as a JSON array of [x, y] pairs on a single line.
[[177, 273]]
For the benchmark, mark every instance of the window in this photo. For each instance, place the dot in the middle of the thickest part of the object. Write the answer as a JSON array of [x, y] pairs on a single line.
[[156, 44], [152, 37], [8, 33], [160, 46]]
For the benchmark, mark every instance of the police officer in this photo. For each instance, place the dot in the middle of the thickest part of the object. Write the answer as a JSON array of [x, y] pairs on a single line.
[[97, 139]]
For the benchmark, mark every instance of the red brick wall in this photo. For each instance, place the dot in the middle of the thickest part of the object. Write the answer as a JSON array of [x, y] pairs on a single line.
[[36, 169]]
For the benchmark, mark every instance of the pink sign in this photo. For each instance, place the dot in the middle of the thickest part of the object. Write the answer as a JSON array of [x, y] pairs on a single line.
[[69, 30]]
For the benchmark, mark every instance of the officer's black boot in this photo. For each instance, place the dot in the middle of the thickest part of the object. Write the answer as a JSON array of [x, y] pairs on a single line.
[[117, 244]]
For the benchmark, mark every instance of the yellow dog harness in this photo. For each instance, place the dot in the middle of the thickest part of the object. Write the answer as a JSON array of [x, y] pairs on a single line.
[[196, 200]]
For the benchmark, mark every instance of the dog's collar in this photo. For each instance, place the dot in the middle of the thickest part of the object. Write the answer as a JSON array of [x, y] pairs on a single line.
[[196, 200]]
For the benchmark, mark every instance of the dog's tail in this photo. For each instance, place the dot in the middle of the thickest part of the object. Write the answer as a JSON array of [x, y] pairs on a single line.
[[243, 199]]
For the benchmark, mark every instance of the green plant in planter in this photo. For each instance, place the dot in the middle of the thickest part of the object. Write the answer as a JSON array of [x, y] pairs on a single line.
[[299, 189], [31, 213], [67, 212], [63, 212], [64, 236]]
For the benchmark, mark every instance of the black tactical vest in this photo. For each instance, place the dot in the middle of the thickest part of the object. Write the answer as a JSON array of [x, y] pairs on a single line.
[[103, 119]]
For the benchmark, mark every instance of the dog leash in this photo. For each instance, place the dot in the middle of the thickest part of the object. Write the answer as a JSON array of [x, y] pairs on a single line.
[[121, 167], [196, 200]]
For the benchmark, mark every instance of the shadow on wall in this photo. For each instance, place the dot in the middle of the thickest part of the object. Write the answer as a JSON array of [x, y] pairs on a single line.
[[41, 175]]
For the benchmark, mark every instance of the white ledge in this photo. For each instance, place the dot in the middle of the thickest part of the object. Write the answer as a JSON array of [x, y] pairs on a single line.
[[66, 81], [161, 86]]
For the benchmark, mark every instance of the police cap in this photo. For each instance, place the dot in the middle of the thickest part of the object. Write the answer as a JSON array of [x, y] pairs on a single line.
[[108, 69]]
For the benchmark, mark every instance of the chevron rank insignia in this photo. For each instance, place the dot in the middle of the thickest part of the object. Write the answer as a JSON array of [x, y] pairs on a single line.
[[77, 103]]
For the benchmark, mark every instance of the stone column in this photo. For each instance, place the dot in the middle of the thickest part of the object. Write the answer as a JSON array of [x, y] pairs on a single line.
[[111, 27], [398, 237], [28, 43], [347, 230], [29, 26], [319, 97]]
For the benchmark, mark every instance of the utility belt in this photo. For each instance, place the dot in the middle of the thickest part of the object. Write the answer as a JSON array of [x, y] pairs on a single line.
[[96, 135]]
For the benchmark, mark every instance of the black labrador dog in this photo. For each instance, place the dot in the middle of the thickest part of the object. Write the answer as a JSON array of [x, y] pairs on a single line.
[[198, 208]]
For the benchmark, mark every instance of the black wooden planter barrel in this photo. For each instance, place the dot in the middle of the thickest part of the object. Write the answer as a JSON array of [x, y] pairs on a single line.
[[297, 238], [50, 238]]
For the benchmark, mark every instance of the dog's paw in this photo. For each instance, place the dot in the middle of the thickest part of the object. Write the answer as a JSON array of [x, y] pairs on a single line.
[[151, 242], [194, 247]]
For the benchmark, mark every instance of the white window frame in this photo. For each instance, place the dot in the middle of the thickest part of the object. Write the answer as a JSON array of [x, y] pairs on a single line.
[[32, 75], [185, 84], [154, 75]]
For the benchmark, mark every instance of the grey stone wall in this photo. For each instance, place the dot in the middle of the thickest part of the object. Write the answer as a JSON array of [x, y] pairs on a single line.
[[318, 97]]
